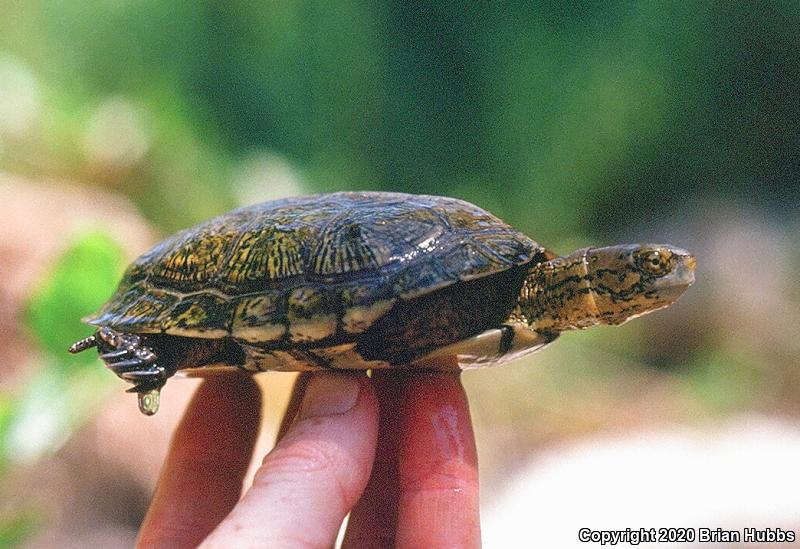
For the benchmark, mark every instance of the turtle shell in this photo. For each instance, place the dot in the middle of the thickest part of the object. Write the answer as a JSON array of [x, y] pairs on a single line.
[[305, 269]]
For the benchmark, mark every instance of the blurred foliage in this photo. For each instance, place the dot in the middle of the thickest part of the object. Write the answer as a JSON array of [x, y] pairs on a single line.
[[587, 116], [58, 397], [14, 531], [78, 285], [726, 381]]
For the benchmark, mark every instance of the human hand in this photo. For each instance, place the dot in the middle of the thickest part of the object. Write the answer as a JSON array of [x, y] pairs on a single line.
[[408, 475]]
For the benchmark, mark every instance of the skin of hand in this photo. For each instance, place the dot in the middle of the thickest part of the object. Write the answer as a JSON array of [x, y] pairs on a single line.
[[396, 451]]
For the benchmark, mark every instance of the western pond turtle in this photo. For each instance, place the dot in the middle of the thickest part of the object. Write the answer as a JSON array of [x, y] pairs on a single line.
[[364, 280]]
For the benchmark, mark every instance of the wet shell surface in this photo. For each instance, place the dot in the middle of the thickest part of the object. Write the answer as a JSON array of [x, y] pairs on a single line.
[[303, 270]]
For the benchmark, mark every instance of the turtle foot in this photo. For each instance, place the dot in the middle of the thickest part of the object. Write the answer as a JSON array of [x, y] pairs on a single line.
[[127, 356]]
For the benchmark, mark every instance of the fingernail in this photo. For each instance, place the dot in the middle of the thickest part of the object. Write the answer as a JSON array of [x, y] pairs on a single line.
[[329, 394]]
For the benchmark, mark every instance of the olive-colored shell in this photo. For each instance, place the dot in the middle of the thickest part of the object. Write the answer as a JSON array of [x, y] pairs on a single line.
[[309, 268]]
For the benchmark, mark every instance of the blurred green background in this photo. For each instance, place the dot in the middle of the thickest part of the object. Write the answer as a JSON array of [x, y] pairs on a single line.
[[580, 123]]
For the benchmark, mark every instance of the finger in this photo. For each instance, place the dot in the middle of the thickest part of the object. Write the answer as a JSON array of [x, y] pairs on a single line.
[[295, 400], [438, 466], [201, 480], [315, 474], [424, 486], [373, 522]]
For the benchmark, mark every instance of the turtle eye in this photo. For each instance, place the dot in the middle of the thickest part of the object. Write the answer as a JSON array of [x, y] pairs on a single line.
[[655, 262]]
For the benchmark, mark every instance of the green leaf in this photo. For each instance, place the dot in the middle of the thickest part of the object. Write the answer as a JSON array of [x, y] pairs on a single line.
[[60, 395], [82, 279]]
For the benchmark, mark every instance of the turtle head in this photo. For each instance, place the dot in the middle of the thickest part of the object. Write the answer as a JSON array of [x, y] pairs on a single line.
[[604, 285], [631, 280]]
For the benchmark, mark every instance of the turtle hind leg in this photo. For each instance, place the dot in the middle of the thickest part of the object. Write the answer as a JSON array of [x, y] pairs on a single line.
[[128, 356], [148, 361]]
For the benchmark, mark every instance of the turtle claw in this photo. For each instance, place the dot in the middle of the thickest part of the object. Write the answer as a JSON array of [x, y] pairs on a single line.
[[135, 358], [124, 366], [142, 378], [112, 355]]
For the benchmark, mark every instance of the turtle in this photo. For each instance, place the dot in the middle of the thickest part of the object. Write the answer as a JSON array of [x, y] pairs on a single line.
[[361, 281]]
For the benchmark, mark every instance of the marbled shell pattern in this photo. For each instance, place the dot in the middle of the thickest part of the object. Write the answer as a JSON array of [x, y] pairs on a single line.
[[306, 269]]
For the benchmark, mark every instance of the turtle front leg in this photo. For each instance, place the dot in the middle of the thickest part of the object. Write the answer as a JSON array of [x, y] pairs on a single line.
[[131, 359]]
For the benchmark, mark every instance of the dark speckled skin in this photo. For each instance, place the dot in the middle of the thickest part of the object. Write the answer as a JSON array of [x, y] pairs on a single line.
[[288, 272]]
